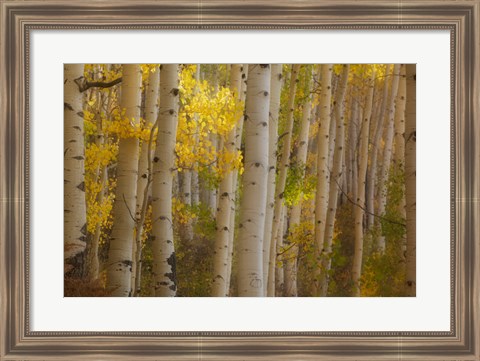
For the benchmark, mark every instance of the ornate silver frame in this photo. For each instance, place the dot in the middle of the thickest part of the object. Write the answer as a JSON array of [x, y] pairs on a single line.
[[18, 18]]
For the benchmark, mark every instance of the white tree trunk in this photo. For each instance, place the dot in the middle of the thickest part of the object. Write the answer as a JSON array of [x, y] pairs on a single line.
[[335, 180], [291, 255], [275, 91], [410, 180], [399, 150], [164, 261], [282, 177], [226, 206], [91, 267], [121, 241], [352, 165], [75, 228], [323, 171], [238, 141], [185, 183], [361, 186], [387, 152], [399, 153], [279, 270], [195, 187], [252, 212], [372, 171], [144, 176], [212, 192]]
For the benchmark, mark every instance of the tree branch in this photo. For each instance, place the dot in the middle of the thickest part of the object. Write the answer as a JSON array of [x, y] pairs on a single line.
[[365, 210], [84, 84]]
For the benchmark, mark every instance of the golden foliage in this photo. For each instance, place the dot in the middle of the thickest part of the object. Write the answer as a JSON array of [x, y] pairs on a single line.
[[205, 116]]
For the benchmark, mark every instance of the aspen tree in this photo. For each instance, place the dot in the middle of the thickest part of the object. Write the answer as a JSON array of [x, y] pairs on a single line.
[[212, 192], [185, 186], [323, 171], [279, 279], [399, 151], [332, 137], [275, 91], [387, 151], [164, 261], [238, 141], [410, 178], [252, 209], [361, 186], [282, 177], [372, 171], [351, 163], [300, 160], [144, 175], [226, 205], [75, 228], [91, 263], [195, 187], [119, 266], [335, 179], [399, 137]]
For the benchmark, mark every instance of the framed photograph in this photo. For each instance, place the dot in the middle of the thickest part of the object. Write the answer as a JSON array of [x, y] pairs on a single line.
[[180, 169]]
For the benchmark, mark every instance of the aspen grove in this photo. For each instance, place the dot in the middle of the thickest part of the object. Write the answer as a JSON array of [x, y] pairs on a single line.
[[239, 180]]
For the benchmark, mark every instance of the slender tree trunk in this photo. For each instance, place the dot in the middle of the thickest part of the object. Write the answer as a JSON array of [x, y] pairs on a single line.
[[279, 270], [410, 179], [331, 139], [238, 141], [323, 171], [282, 177], [226, 206], [164, 261], [301, 159], [195, 187], [360, 200], [75, 227], [185, 183], [252, 213], [372, 171], [399, 154], [213, 194], [144, 176], [353, 145], [121, 242], [92, 264], [275, 91], [334, 180], [387, 152]]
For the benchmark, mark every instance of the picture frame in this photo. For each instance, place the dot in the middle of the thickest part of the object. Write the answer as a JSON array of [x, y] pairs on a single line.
[[18, 18]]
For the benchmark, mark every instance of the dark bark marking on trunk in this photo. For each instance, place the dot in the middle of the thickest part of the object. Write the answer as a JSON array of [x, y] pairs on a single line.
[[81, 186], [83, 230], [172, 276]]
